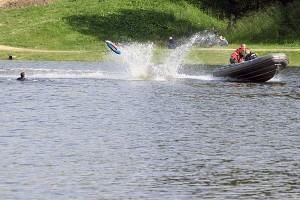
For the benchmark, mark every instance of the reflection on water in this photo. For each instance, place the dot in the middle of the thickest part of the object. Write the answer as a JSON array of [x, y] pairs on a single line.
[[92, 131]]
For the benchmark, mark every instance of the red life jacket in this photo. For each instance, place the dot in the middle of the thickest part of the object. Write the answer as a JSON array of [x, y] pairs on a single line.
[[237, 55]]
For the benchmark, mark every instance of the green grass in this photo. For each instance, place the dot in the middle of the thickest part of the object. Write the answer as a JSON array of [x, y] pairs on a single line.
[[81, 25], [84, 25]]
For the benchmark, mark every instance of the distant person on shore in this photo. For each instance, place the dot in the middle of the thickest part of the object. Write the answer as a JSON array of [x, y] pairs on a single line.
[[171, 43], [10, 57], [22, 77], [238, 55], [250, 55], [223, 41]]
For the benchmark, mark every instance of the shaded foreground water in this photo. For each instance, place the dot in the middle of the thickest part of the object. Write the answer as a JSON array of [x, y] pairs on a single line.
[[92, 131]]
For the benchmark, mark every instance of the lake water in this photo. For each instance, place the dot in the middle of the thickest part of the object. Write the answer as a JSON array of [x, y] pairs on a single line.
[[134, 129], [108, 131]]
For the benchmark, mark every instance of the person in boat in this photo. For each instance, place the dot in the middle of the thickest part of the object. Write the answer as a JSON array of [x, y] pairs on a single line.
[[238, 55], [22, 77], [250, 55], [171, 43]]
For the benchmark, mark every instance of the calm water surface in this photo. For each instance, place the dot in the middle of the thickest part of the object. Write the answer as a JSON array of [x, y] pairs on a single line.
[[92, 131]]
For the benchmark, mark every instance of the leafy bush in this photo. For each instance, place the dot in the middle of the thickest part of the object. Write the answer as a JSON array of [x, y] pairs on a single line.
[[273, 25]]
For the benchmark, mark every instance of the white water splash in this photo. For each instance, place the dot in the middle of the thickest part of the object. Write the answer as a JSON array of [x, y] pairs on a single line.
[[139, 58]]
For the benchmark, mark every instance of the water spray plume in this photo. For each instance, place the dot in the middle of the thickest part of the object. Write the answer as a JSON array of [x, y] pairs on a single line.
[[138, 57]]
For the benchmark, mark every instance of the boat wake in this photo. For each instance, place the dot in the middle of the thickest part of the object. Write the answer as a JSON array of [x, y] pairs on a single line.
[[135, 63], [44, 73]]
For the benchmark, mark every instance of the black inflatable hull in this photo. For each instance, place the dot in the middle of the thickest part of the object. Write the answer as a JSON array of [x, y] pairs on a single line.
[[258, 70]]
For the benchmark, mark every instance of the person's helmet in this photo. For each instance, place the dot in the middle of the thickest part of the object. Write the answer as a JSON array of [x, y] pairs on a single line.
[[253, 56]]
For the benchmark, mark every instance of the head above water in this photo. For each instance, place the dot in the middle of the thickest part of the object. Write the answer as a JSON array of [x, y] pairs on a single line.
[[22, 74]]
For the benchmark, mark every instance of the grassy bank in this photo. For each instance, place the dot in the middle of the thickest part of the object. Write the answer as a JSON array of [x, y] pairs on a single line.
[[80, 27]]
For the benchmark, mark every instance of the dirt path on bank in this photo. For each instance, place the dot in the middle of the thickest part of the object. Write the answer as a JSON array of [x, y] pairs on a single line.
[[2, 2], [17, 49], [22, 3]]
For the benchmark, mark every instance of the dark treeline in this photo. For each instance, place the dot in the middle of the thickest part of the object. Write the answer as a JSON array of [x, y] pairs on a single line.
[[233, 10], [236, 8]]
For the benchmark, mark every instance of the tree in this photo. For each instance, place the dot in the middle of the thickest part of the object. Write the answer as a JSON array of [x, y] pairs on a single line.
[[235, 9]]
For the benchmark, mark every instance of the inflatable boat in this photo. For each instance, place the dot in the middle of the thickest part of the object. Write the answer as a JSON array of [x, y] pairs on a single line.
[[257, 70]]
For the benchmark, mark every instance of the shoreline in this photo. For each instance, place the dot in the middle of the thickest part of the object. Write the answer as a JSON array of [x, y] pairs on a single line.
[[199, 55]]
